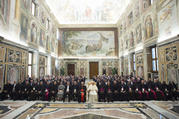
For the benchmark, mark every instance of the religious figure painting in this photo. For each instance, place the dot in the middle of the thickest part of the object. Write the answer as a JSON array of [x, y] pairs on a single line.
[[2, 54], [172, 72], [131, 39], [138, 33], [5, 10], [13, 73], [148, 27], [42, 16], [42, 38], [2, 70], [33, 33], [145, 4], [136, 11], [130, 19], [24, 27], [88, 43]]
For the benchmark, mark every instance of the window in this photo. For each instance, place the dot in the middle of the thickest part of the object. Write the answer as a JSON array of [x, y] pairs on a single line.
[[154, 59], [134, 66], [57, 34], [33, 8], [48, 24], [30, 65]]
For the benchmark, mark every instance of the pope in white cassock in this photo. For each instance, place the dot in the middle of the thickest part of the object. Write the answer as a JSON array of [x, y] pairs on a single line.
[[93, 92]]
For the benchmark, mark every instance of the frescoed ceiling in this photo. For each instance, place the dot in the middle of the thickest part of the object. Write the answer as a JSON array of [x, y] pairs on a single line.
[[87, 11]]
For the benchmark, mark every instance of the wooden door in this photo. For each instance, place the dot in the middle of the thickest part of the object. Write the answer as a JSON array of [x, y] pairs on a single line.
[[93, 69], [71, 69]]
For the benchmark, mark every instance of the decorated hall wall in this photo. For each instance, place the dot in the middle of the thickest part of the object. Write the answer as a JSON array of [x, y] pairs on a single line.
[[145, 24], [13, 64], [35, 31]]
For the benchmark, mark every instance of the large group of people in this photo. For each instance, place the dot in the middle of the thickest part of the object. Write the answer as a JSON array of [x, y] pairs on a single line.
[[102, 88]]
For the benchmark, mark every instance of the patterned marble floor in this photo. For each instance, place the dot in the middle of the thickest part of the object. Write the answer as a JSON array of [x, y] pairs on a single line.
[[117, 110]]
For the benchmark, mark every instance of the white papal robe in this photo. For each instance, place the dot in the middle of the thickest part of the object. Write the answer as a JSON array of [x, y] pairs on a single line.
[[93, 96]]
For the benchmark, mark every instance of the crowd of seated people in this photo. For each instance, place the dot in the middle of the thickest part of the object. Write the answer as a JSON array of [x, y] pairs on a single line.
[[71, 88], [118, 88]]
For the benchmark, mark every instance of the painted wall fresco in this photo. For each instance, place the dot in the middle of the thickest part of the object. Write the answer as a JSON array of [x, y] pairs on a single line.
[[88, 43], [42, 39], [33, 33], [24, 27], [138, 34], [167, 18], [5, 10], [70, 12], [149, 28], [131, 39]]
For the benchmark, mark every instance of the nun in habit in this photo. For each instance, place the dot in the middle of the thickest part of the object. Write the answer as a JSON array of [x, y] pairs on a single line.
[[92, 92]]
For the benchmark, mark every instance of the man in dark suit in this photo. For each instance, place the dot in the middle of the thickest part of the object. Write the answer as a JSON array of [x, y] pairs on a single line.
[[67, 92], [75, 90]]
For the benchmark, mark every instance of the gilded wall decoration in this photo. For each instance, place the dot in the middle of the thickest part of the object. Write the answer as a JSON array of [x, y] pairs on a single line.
[[168, 62], [33, 33], [14, 56], [172, 72], [2, 75], [2, 54], [13, 73], [42, 66], [139, 65], [149, 32], [88, 43], [23, 72], [171, 54], [24, 58], [24, 27]]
